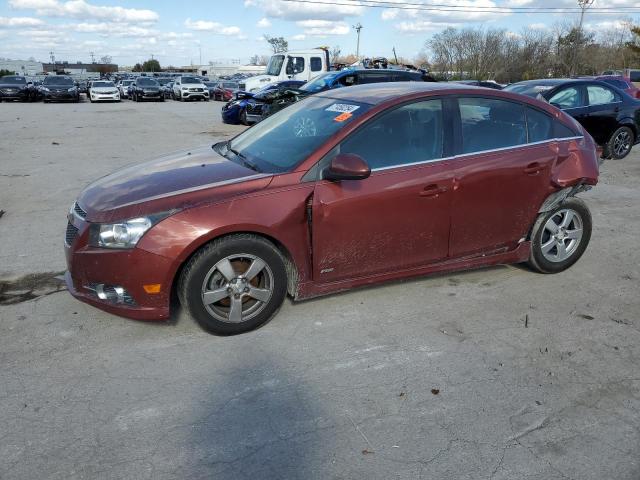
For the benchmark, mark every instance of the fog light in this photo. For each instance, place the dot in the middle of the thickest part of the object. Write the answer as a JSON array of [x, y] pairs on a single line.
[[111, 293]]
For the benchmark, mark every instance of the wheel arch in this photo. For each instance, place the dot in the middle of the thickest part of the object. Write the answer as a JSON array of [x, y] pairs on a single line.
[[289, 262]]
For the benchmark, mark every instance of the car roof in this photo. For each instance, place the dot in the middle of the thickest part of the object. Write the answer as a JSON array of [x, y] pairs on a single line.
[[376, 93]]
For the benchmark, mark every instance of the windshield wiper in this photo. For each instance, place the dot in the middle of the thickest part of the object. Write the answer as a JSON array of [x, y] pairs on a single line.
[[245, 161]]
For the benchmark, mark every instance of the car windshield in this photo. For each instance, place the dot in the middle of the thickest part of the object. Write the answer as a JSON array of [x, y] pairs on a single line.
[[58, 81], [230, 85], [283, 140], [163, 81], [147, 82], [103, 84], [321, 82], [190, 80], [210, 84], [13, 80], [529, 89], [275, 65]]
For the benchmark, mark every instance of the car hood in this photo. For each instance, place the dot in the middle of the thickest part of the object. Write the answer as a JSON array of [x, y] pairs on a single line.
[[104, 89], [58, 87], [12, 85], [171, 182]]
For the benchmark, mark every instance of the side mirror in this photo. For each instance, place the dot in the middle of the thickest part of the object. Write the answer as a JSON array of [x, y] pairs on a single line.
[[347, 166]]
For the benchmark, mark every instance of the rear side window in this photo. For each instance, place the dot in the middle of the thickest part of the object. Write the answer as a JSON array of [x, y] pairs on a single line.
[[488, 124], [539, 125], [566, 98], [600, 95], [616, 83], [409, 134], [347, 80], [562, 131], [634, 75], [316, 64], [374, 77]]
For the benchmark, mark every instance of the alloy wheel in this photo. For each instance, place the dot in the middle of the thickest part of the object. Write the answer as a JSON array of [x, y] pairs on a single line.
[[561, 236], [622, 143], [237, 288]]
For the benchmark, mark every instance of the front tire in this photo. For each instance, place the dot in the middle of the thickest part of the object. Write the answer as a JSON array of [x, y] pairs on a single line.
[[620, 143], [234, 284], [560, 236]]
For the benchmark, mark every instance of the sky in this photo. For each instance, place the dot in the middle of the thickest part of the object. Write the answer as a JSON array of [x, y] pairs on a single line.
[[188, 31]]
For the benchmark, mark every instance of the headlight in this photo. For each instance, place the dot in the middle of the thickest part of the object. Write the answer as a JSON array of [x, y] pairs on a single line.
[[44, 89], [72, 89], [185, 88]]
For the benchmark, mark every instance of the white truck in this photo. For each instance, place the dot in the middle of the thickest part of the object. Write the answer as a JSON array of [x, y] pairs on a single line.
[[295, 65]]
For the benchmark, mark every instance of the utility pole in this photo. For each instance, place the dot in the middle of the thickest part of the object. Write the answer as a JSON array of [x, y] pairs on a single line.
[[152, 63], [357, 27], [93, 57], [200, 50], [584, 5], [53, 57]]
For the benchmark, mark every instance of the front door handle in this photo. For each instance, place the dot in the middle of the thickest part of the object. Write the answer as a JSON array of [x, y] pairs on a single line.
[[432, 190], [533, 168]]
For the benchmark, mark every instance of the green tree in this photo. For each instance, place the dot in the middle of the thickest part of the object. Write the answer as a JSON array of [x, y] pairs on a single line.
[[151, 65], [137, 68], [4, 72], [634, 45], [278, 44]]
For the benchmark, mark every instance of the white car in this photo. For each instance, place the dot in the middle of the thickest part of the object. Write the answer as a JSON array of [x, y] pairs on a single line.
[[123, 86], [188, 88], [103, 91]]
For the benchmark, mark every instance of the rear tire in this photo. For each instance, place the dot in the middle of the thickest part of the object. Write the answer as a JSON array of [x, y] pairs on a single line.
[[560, 236], [620, 143], [243, 117], [234, 284]]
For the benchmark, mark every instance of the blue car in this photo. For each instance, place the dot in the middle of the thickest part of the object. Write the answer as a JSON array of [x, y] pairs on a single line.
[[235, 111]]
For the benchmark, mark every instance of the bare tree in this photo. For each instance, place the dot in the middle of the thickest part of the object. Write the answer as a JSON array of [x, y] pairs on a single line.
[[334, 54], [278, 44]]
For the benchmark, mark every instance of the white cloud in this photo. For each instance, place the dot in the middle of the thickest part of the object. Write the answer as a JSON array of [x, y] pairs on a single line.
[[8, 22], [113, 29], [213, 27], [82, 10], [539, 26], [323, 28], [263, 23], [322, 10], [298, 37]]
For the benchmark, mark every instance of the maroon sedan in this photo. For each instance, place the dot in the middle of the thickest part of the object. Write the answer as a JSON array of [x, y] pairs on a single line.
[[346, 188]]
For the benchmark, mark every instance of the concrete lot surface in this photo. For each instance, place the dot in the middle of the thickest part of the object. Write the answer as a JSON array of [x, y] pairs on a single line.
[[498, 373]]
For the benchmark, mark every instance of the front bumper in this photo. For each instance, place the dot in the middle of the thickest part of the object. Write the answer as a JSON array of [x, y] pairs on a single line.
[[14, 95], [128, 270], [105, 97], [187, 94], [61, 96], [231, 115]]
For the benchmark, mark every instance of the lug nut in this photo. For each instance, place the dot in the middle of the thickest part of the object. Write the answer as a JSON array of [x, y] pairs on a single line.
[[246, 290]]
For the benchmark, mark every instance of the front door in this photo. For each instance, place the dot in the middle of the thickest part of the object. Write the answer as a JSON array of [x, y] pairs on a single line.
[[601, 119], [397, 218]]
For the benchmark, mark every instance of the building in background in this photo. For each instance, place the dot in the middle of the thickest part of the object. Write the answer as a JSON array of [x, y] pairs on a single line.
[[21, 67], [61, 68]]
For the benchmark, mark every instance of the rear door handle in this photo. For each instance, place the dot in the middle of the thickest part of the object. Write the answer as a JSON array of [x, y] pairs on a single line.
[[432, 190], [533, 168]]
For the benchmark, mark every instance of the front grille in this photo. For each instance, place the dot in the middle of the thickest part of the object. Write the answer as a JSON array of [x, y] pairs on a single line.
[[196, 90], [254, 108], [242, 86], [79, 211], [71, 234]]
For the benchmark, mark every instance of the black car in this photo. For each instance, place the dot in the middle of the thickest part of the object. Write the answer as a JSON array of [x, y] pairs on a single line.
[[57, 88], [610, 115], [146, 88], [480, 83], [13, 87]]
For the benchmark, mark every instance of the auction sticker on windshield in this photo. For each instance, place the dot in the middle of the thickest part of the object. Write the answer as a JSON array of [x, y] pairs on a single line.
[[342, 108]]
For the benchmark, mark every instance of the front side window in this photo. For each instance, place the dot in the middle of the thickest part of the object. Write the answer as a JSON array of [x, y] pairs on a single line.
[[409, 134], [600, 95], [566, 98], [295, 65], [488, 124], [374, 77], [316, 64], [348, 80]]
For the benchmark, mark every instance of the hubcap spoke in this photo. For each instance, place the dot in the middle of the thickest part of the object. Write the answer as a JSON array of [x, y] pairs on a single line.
[[566, 221], [551, 226], [214, 296], [261, 294], [562, 251], [574, 234], [226, 269], [254, 269], [548, 246], [235, 312]]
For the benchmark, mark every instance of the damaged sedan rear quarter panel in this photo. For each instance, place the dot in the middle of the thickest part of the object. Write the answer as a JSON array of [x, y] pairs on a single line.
[[406, 219]]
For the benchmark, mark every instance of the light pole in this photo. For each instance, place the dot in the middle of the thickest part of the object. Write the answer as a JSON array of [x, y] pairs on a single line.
[[584, 5], [357, 27]]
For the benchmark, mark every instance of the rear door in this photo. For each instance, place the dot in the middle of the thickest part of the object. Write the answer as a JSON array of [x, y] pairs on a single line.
[[397, 218], [602, 114], [501, 174]]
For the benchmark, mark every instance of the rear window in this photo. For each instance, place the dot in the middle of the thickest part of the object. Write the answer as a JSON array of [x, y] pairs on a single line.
[[316, 64], [374, 77]]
